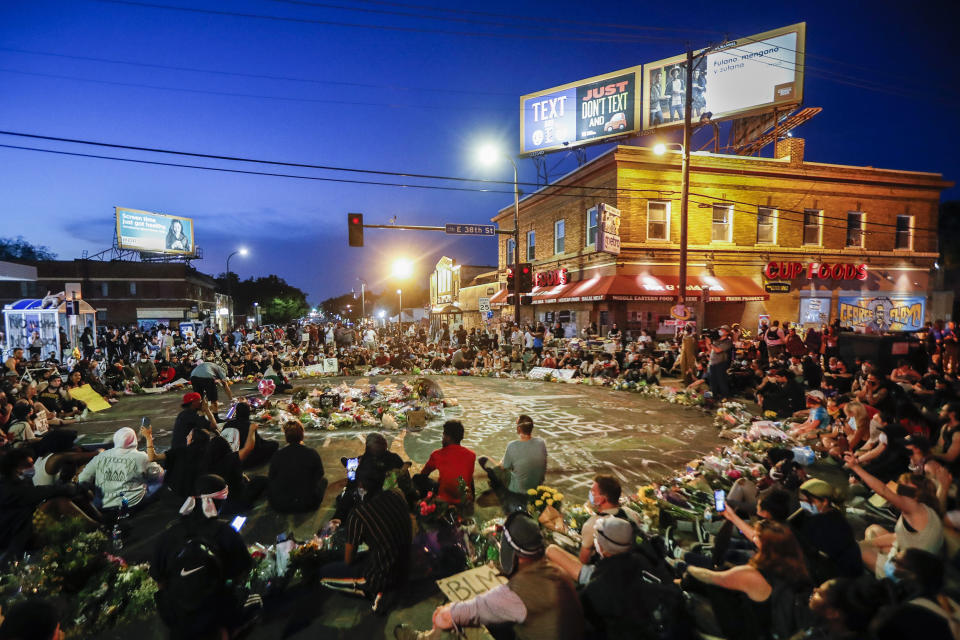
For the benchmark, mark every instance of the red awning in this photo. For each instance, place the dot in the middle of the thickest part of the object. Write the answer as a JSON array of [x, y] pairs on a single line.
[[500, 297], [647, 288]]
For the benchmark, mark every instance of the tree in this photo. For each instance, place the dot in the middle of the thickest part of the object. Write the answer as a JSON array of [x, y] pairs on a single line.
[[279, 301], [21, 250]]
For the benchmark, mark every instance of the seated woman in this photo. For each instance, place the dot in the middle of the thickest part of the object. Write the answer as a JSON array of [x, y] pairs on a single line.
[[182, 464], [222, 459], [817, 418], [918, 527], [741, 596], [263, 449], [296, 480], [122, 473]]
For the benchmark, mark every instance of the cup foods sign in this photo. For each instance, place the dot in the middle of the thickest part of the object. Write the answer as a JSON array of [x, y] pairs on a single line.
[[581, 112], [815, 271]]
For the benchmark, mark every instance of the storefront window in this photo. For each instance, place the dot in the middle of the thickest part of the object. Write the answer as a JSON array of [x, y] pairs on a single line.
[[814, 311], [722, 223], [855, 229], [591, 226], [531, 245], [766, 226], [904, 232], [811, 226], [510, 249], [658, 221], [559, 236]]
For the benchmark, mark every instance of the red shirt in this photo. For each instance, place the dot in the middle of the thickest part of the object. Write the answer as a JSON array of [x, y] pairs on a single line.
[[453, 462]]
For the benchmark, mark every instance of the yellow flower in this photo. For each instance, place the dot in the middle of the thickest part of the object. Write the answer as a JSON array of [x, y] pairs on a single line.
[[550, 502], [539, 503], [558, 497], [531, 492]]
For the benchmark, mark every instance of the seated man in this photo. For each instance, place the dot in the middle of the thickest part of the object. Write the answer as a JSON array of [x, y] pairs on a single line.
[[455, 464], [605, 499], [524, 464], [122, 473], [538, 599], [382, 522], [296, 480], [817, 419]]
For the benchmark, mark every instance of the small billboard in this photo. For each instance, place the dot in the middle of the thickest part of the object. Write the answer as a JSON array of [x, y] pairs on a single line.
[[154, 232], [743, 76], [581, 112]]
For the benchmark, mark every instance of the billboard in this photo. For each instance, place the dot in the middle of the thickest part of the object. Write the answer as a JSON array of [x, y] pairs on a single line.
[[581, 112], [745, 75], [155, 232], [879, 313]]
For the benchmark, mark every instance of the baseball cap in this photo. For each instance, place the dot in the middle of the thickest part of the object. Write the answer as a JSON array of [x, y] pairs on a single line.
[[614, 535], [817, 395], [193, 396], [818, 488]]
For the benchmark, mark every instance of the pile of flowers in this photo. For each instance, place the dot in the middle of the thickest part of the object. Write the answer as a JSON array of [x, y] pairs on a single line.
[[542, 497]]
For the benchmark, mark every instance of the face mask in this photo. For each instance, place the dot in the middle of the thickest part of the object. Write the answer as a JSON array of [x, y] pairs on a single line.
[[592, 500], [27, 474], [809, 507]]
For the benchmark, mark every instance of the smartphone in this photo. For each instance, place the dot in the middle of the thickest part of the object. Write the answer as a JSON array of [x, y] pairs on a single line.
[[232, 411], [352, 464], [720, 500], [237, 523], [145, 422]]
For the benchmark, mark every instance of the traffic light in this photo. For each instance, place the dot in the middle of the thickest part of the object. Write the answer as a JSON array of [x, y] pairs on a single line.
[[524, 300], [526, 277], [510, 279], [355, 229]]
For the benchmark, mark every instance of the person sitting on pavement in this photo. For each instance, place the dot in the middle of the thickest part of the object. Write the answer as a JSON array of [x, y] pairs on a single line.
[[817, 418], [193, 562], [378, 459], [538, 599], [122, 473], [455, 465], [190, 418], [222, 459], [919, 580], [296, 480], [381, 522], [56, 399], [31, 619], [524, 463], [146, 370], [263, 449], [604, 498]]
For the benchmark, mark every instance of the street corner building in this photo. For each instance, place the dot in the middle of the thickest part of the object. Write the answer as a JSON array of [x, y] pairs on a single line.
[[777, 238]]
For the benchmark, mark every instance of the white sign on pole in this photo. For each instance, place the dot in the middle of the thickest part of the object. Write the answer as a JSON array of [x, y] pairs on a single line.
[[484, 304]]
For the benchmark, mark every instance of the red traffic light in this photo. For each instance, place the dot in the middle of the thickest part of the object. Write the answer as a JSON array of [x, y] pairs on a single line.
[[355, 229], [354, 220]]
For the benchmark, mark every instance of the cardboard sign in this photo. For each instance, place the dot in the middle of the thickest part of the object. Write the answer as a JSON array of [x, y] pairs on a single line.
[[313, 369], [463, 586], [539, 373], [331, 365], [416, 419], [89, 397]]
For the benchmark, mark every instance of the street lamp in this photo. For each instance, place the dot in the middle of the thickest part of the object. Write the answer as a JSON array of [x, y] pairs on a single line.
[[487, 155], [661, 148], [402, 268], [363, 298], [400, 315], [243, 252]]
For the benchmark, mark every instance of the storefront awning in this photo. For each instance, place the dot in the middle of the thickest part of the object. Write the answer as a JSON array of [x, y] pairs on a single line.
[[647, 288], [499, 298], [449, 309]]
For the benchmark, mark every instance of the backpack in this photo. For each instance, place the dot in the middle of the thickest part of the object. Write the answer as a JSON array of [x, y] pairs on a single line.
[[651, 551], [194, 574], [789, 609]]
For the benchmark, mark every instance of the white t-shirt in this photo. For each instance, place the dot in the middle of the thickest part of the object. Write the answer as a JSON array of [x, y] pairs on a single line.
[[21, 431], [119, 474]]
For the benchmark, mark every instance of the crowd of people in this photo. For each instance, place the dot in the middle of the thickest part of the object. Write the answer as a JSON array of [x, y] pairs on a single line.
[[788, 561]]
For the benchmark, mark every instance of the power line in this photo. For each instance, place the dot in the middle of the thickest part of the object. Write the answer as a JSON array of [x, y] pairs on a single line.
[[257, 76]]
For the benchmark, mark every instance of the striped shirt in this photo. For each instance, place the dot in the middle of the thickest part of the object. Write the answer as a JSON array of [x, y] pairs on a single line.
[[383, 523]]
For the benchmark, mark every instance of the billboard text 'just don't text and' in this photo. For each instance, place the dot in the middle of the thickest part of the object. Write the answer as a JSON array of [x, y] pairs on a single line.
[[581, 112], [154, 232], [739, 77]]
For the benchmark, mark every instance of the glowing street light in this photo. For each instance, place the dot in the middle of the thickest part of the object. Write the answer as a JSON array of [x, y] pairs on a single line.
[[402, 268]]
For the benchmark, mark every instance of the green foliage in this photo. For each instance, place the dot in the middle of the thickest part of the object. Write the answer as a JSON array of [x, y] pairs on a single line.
[[279, 301], [19, 249]]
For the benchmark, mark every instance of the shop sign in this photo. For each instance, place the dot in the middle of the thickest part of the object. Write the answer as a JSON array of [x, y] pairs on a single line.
[[608, 230], [777, 287], [815, 271], [551, 278], [882, 313]]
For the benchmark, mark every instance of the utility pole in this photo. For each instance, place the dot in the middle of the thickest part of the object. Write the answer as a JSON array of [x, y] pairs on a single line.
[[685, 179], [516, 245]]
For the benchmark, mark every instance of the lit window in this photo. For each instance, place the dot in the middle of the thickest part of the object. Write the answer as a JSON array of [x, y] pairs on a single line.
[[855, 229], [559, 236], [766, 226], [510, 248], [811, 226], [722, 223], [658, 220], [531, 245], [591, 226], [904, 238]]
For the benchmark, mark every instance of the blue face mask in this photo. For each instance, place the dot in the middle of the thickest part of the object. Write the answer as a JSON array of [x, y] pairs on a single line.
[[27, 474], [889, 570], [590, 497], [809, 507]]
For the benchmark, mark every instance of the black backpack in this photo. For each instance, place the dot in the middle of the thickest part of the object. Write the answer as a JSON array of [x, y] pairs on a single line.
[[194, 573], [789, 609], [652, 552]]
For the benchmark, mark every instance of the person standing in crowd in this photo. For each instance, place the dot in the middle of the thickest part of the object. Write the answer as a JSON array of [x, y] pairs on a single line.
[[720, 350], [455, 465], [204, 379], [774, 339]]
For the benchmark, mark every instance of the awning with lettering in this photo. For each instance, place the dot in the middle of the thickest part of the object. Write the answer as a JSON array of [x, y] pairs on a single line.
[[648, 288]]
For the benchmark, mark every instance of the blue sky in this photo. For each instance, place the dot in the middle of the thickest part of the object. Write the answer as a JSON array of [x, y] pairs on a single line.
[[400, 93]]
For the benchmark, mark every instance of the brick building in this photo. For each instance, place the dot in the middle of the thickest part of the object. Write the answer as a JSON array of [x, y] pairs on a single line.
[[793, 240], [127, 292]]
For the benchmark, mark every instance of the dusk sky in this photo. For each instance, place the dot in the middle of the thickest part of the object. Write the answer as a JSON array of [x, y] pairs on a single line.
[[392, 87]]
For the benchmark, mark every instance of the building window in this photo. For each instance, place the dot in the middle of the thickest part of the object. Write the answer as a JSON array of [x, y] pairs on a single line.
[[811, 226], [904, 238], [658, 220], [722, 223], [531, 245], [766, 226], [559, 236], [591, 226], [855, 229], [133, 288], [510, 248], [104, 289]]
